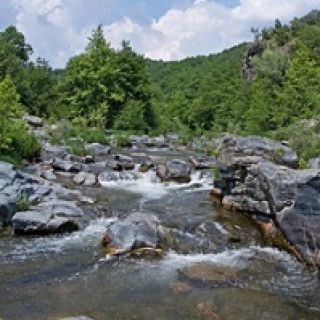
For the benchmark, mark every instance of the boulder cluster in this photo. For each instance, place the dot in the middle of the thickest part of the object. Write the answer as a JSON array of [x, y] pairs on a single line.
[[259, 176]]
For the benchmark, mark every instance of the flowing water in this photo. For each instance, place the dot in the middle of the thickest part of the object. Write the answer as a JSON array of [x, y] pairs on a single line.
[[69, 275]]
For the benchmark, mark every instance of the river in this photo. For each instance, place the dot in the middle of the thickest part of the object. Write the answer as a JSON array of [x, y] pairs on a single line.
[[68, 275]]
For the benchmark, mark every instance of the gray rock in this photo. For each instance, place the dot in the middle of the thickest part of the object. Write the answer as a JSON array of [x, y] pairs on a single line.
[[174, 170], [203, 162], [7, 174], [98, 149], [137, 231], [8, 207], [146, 165], [290, 197], [236, 149], [314, 163], [55, 151], [66, 166], [85, 178], [125, 161], [111, 176], [55, 216], [61, 208], [300, 222], [48, 175], [33, 121], [114, 165]]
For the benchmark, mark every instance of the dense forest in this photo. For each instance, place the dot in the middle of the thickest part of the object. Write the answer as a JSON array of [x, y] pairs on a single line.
[[103, 89]]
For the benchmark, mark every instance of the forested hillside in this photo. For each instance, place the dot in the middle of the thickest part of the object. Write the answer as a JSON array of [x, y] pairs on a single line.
[[121, 90], [209, 94]]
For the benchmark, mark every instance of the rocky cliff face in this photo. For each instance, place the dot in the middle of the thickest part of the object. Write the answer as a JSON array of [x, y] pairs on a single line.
[[259, 179], [248, 70]]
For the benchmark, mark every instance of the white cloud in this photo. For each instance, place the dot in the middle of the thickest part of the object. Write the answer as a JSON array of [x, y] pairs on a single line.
[[59, 29], [205, 27]]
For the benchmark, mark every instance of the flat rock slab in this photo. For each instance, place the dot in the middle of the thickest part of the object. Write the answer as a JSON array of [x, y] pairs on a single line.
[[205, 274]]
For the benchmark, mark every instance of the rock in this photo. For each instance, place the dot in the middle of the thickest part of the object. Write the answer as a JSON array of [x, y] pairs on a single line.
[[138, 234], [146, 165], [248, 69], [207, 310], [55, 151], [55, 216], [125, 161], [66, 166], [249, 150], [178, 287], [200, 163], [33, 121], [7, 174], [88, 159], [290, 197], [85, 178], [314, 163], [300, 222], [48, 175], [111, 176], [8, 206], [205, 274], [174, 170], [114, 165], [98, 149]]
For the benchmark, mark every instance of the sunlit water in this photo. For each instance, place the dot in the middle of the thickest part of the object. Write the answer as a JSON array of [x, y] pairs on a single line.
[[69, 275]]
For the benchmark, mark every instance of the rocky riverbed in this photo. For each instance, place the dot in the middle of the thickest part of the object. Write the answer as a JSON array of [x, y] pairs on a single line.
[[134, 233]]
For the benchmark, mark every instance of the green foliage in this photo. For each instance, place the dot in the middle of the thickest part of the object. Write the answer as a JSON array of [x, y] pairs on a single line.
[[277, 155], [299, 98], [64, 131], [107, 88], [23, 203], [199, 94], [215, 172], [77, 146], [302, 136]]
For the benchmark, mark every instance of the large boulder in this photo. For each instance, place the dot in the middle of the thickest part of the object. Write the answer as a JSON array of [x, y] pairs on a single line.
[[289, 197], [248, 150], [138, 234], [66, 166], [300, 222], [174, 170], [55, 216]]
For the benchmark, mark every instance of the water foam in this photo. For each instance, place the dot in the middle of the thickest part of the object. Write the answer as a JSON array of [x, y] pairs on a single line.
[[150, 187]]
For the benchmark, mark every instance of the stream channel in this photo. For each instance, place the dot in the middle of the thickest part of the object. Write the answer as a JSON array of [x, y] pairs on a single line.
[[68, 275]]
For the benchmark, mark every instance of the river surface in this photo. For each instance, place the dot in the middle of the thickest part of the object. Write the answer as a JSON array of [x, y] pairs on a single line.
[[68, 275]]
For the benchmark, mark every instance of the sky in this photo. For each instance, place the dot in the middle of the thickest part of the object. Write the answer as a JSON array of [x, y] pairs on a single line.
[[158, 29]]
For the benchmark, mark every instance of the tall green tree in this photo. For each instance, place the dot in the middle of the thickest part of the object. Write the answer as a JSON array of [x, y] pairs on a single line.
[[301, 92], [11, 113], [89, 80]]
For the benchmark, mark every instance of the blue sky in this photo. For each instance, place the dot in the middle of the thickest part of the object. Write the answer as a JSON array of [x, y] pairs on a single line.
[[159, 29]]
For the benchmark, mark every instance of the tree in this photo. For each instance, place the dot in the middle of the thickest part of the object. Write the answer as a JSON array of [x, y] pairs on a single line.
[[11, 113], [88, 81], [300, 96], [40, 98]]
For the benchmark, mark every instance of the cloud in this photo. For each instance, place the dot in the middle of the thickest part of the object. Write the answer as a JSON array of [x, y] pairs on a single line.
[[204, 27], [58, 29]]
